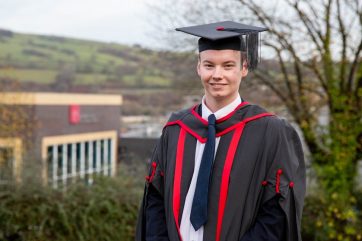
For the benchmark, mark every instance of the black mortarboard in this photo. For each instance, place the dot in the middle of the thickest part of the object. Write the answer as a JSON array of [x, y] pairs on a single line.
[[228, 35]]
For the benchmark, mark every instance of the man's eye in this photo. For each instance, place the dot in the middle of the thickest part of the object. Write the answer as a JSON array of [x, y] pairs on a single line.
[[229, 66], [208, 66]]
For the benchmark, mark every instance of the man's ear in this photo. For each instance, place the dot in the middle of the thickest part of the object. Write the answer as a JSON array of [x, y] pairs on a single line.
[[198, 67], [244, 69]]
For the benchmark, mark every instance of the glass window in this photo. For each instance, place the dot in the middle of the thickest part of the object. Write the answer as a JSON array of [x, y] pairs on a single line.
[[6, 165], [68, 156], [94, 154], [86, 155], [60, 160], [78, 155], [79, 160]]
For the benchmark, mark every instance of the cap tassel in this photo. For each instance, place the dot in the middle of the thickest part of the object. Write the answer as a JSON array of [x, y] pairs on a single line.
[[253, 50]]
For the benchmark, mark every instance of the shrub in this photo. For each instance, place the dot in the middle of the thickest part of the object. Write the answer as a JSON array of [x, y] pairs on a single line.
[[107, 210], [324, 220]]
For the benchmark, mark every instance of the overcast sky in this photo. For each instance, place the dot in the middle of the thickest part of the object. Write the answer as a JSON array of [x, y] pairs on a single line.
[[121, 21]]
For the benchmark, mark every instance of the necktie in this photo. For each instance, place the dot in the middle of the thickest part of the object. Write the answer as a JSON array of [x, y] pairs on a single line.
[[198, 215]]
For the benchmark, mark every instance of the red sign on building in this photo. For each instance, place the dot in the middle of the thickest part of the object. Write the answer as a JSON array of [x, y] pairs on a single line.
[[74, 114]]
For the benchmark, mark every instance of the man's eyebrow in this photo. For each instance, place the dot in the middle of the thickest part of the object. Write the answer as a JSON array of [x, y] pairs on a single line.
[[230, 62], [207, 61]]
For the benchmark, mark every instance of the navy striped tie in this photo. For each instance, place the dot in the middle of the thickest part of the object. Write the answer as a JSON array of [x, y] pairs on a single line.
[[198, 215]]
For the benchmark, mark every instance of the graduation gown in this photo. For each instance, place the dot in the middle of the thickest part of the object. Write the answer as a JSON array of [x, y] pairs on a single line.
[[259, 157]]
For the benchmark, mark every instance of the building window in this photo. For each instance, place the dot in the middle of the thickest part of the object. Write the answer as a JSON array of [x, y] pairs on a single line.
[[10, 161], [6, 166], [69, 162]]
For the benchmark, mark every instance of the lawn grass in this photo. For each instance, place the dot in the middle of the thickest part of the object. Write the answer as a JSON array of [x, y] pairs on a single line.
[[39, 59], [27, 75]]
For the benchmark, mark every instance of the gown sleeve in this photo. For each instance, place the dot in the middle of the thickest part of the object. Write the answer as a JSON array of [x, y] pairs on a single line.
[[269, 224], [156, 228], [151, 217], [285, 175]]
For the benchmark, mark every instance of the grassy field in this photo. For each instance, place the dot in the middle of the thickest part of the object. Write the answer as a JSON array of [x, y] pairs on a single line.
[[40, 59], [37, 76], [149, 80]]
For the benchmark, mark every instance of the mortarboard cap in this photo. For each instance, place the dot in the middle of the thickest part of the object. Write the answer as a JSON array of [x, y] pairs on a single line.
[[228, 35]]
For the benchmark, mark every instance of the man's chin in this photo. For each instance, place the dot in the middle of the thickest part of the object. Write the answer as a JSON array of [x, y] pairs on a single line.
[[219, 96]]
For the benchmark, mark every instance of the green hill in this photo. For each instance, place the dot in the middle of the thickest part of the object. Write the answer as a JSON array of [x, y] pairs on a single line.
[[61, 62], [152, 82]]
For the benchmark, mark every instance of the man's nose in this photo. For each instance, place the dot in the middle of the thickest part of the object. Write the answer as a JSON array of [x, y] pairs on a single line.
[[218, 73]]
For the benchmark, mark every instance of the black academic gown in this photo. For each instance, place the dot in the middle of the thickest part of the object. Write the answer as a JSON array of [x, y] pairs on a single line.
[[258, 159]]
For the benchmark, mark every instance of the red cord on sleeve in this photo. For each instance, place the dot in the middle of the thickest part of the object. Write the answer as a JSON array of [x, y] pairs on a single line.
[[277, 184]]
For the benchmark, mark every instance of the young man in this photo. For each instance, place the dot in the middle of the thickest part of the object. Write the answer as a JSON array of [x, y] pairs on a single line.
[[224, 170]]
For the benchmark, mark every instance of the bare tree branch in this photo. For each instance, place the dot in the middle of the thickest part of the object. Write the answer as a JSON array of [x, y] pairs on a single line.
[[287, 81], [314, 67], [314, 32], [298, 72], [262, 76], [343, 62], [355, 63], [315, 90], [326, 54]]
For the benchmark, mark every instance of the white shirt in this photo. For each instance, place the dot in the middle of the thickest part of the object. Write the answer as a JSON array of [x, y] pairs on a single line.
[[187, 231]]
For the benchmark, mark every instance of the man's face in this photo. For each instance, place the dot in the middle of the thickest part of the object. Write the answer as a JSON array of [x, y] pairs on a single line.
[[221, 74]]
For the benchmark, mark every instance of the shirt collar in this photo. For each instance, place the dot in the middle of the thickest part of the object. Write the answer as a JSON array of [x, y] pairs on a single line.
[[223, 111]]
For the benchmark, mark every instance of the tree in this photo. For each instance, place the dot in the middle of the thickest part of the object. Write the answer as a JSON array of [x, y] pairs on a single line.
[[318, 47], [16, 122], [327, 74], [65, 79]]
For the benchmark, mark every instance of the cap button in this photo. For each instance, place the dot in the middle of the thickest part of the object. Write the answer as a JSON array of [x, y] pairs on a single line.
[[220, 28]]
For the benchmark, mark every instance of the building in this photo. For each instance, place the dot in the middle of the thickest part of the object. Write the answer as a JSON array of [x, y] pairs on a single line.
[[68, 136]]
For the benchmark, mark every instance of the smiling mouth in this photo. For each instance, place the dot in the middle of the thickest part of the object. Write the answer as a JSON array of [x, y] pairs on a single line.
[[217, 84]]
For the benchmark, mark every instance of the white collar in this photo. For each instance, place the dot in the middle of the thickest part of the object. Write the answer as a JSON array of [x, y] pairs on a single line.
[[223, 111]]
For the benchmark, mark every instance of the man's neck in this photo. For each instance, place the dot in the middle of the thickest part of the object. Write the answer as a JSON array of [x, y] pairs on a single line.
[[215, 104]]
